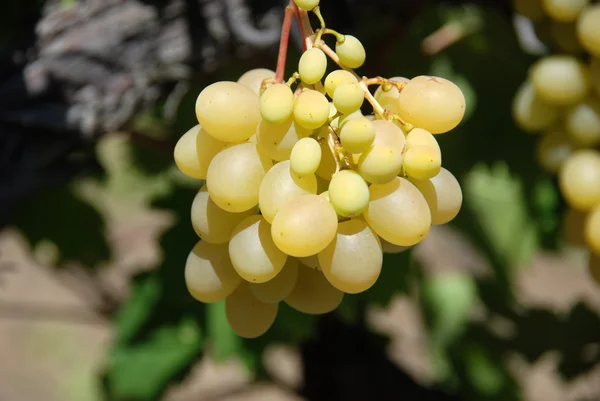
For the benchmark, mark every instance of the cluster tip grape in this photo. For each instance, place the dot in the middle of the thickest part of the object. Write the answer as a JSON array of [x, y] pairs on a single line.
[[304, 189]]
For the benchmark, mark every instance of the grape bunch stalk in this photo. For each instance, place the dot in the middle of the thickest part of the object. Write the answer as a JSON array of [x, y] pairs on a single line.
[[561, 100], [303, 192]]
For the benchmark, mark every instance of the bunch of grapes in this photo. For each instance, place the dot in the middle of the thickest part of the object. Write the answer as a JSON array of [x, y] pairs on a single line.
[[304, 191], [561, 100]]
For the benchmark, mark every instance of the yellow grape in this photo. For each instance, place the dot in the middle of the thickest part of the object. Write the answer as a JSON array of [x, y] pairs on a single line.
[[357, 135], [432, 103], [592, 229], [311, 109], [346, 118], [389, 99], [228, 111], [573, 227], [560, 79], [276, 103], [209, 274], [579, 179], [443, 195], [282, 185], [336, 77], [304, 226], [420, 136], [253, 254], [588, 29], [326, 168], [247, 316], [194, 152], [311, 261], [325, 195], [234, 176], [531, 9], [253, 78], [422, 162], [348, 97], [348, 193], [582, 122], [594, 268], [391, 248], [312, 65], [280, 286], [351, 52], [305, 157], [564, 10], [398, 212], [352, 261], [553, 148], [530, 112], [383, 161], [313, 294], [307, 5], [277, 140]]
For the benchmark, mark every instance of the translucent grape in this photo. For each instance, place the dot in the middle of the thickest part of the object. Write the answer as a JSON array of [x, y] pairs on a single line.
[[443, 195], [348, 97], [280, 286], [531, 9], [277, 140], [209, 274], [588, 29], [422, 162], [346, 118], [398, 212], [553, 148], [564, 10], [391, 248], [389, 99], [276, 103], [579, 179], [253, 78], [348, 193], [304, 226], [352, 261], [357, 135], [305, 157], [325, 195], [326, 168], [311, 109], [282, 185], [194, 151], [573, 227], [307, 5], [311, 261], [592, 229], [312, 65], [234, 176], [336, 77], [228, 111], [383, 161], [247, 316], [421, 137], [432, 103], [530, 112], [351, 52], [560, 79], [594, 268], [313, 294], [582, 122]]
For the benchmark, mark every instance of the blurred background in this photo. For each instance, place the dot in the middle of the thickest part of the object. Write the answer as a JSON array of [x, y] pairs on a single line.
[[95, 230]]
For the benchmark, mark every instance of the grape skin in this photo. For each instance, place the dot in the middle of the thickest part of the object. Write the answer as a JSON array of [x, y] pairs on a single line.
[[588, 29], [443, 195], [389, 99], [335, 78], [194, 152], [253, 78], [530, 112], [307, 5], [280, 286], [311, 109], [592, 229], [391, 248], [357, 135], [311, 261], [560, 79], [313, 294], [582, 122], [276, 103], [312, 65], [564, 10], [422, 162], [579, 179], [305, 157], [383, 161], [553, 149], [348, 193], [351, 52], [247, 316], [348, 97], [278, 140]]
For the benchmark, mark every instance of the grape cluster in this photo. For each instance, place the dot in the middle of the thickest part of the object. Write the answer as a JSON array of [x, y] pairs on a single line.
[[561, 100], [303, 191]]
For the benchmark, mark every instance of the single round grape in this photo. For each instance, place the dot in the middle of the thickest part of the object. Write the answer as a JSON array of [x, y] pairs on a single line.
[[194, 152], [280, 286], [209, 274], [278, 140], [564, 36], [325, 195], [304, 226], [346, 118], [311, 261], [336, 77], [313, 294], [383, 161], [228, 111], [595, 74], [253, 254], [312, 65], [253, 79], [389, 99], [348, 97], [594, 268], [531, 9], [530, 112], [352, 261], [305, 157], [582, 122], [388, 133], [351, 52], [553, 148], [348, 193], [398, 212], [311, 109], [391, 248], [592, 229], [282, 185], [579, 179], [327, 166], [421, 137], [588, 29], [357, 135], [276, 103], [573, 227], [234, 176], [422, 162], [443, 195], [432, 103], [564, 10], [307, 5], [247, 316], [560, 79]]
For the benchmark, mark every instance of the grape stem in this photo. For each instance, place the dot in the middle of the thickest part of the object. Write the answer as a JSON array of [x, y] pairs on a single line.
[[290, 10], [333, 147]]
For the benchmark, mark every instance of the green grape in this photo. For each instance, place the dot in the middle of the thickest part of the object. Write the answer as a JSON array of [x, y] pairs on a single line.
[[212, 223], [346, 118], [253, 254], [312, 65], [357, 135], [311, 261], [247, 316], [311, 109], [351, 52], [573, 227], [281, 185], [253, 78], [398, 212], [443, 195], [348, 193], [579, 179], [564, 36], [313, 294], [595, 74], [422, 162], [276, 104], [307, 5], [325, 195], [280, 286], [531, 9], [421, 137], [594, 268], [383, 161], [553, 148], [582, 122], [336, 77], [348, 97], [588, 29], [305, 157], [530, 112], [194, 152], [560, 79], [391, 248], [278, 140], [389, 99], [304, 226], [592, 229], [432, 103], [228, 111], [327, 166], [352, 261], [564, 10], [234, 176], [209, 274]]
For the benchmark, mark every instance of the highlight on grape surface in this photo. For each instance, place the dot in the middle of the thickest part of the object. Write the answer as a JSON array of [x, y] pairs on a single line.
[[310, 179]]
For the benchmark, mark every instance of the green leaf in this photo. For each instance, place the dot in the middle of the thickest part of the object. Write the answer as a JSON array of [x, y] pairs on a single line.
[[224, 343]]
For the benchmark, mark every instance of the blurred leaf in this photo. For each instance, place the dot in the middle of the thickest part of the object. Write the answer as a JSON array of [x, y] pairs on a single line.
[[224, 343], [483, 371]]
